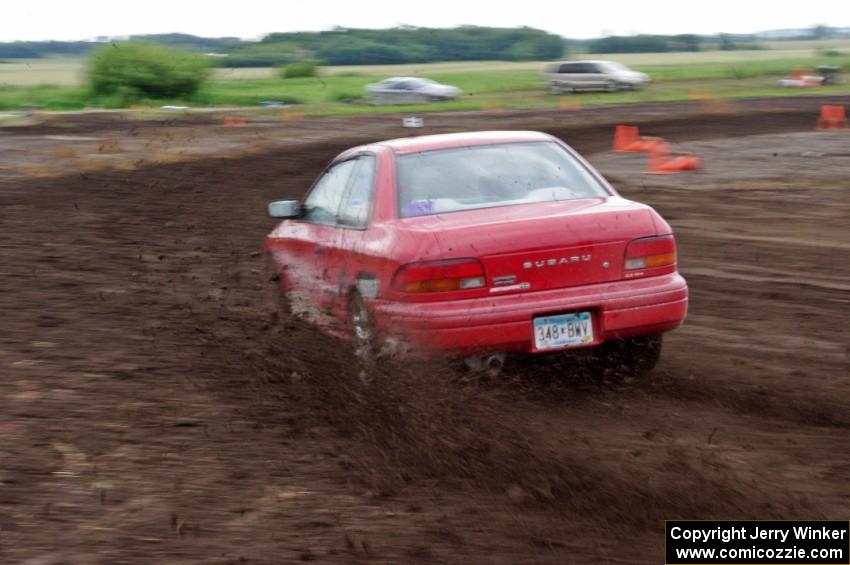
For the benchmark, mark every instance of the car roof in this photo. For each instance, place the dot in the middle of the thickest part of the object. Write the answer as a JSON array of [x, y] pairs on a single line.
[[418, 144], [581, 61], [402, 78]]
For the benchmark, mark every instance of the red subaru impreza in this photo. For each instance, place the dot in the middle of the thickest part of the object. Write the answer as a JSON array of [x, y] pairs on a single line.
[[476, 245]]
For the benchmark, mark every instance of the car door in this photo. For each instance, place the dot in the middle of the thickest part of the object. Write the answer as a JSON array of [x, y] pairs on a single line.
[[348, 257], [413, 90], [386, 90], [302, 247], [594, 76], [570, 76], [390, 91]]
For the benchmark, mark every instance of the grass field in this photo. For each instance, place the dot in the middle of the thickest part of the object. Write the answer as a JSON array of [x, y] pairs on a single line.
[[31, 72], [58, 84]]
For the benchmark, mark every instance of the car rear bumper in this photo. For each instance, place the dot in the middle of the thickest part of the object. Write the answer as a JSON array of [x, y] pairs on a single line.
[[504, 323]]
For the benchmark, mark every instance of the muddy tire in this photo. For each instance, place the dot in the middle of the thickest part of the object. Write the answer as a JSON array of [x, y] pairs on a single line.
[[362, 330], [275, 298], [634, 356]]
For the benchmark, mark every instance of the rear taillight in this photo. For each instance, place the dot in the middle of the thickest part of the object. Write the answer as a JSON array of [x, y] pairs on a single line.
[[651, 252], [440, 276]]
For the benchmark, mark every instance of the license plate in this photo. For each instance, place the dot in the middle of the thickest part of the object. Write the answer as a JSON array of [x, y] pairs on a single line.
[[563, 330]]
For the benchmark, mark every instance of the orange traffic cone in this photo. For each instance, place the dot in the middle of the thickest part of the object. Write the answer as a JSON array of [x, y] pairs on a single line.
[[695, 94], [684, 163], [644, 145], [624, 136], [658, 157], [832, 117], [566, 104], [661, 163]]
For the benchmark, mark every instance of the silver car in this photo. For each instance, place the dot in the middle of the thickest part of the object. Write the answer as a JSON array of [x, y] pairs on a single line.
[[409, 90], [573, 76]]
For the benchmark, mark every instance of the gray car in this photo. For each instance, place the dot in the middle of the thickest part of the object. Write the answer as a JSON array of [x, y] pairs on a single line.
[[409, 90], [573, 76]]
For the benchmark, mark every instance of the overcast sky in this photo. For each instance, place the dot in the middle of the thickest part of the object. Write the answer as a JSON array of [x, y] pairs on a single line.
[[87, 19]]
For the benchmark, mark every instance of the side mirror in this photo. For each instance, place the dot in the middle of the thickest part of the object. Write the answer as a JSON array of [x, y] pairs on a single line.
[[284, 209]]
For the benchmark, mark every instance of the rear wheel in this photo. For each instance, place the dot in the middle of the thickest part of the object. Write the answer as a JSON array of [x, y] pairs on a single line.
[[633, 356], [362, 330]]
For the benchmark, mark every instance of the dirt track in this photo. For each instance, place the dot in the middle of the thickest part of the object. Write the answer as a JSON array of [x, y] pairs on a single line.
[[156, 407]]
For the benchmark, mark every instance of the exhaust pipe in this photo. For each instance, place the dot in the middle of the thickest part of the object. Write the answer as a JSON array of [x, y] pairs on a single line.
[[492, 363]]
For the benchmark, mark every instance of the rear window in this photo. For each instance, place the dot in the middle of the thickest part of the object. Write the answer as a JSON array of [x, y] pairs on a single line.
[[486, 176]]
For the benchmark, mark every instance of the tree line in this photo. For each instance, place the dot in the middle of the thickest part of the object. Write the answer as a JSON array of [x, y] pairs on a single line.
[[669, 43], [422, 45], [39, 49], [337, 47], [406, 44]]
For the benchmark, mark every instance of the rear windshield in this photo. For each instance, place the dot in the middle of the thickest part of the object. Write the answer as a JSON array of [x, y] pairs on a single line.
[[485, 176]]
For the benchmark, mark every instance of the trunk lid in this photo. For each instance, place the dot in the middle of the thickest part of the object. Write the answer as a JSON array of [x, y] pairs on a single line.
[[543, 246]]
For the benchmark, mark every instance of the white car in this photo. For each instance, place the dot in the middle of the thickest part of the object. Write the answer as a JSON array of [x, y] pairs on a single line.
[[407, 90], [572, 76]]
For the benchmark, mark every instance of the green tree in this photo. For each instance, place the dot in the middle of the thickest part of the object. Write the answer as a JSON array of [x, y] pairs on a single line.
[[146, 70], [300, 70]]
